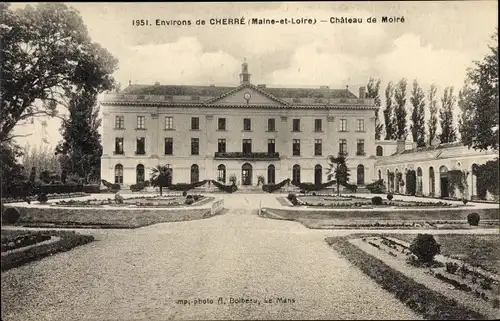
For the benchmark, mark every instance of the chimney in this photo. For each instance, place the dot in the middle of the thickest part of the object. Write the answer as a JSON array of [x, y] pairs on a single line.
[[400, 146], [261, 86], [157, 83], [362, 92]]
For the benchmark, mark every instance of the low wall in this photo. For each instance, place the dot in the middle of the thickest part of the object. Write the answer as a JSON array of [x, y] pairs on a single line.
[[217, 207]]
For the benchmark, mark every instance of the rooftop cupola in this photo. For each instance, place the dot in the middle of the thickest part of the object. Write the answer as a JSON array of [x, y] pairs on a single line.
[[244, 76]]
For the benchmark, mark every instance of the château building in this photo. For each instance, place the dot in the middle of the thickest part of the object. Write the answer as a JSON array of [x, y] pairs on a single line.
[[212, 132]]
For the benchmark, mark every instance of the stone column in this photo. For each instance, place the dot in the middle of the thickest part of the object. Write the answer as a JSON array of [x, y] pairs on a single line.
[[153, 137], [284, 147]]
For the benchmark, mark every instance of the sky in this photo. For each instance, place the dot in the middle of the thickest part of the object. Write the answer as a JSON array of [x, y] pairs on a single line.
[[436, 43]]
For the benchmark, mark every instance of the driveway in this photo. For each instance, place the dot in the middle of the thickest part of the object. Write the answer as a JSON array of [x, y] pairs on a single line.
[[159, 272]]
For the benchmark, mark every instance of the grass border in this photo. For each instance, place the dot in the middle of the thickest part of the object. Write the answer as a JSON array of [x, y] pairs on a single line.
[[424, 301], [69, 240]]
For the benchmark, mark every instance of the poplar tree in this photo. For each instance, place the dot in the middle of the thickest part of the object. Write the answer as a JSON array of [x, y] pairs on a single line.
[[433, 121], [418, 114], [400, 110], [373, 89], [448, 131], [388, 112]]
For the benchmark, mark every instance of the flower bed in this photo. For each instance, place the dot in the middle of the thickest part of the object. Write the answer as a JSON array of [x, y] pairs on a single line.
[[460, 276], [136, 201], [12, 242], [418, 297], [50, 196], [67, 241], [359, 202]]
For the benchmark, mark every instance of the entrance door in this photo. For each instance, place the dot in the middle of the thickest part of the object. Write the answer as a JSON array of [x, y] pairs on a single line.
[[318, 174], [444, 187], [361, 175], [246, 174]]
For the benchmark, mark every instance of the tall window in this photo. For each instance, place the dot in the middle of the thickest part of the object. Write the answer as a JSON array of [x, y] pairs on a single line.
[[141, 122], [343, 125], [318, 147], [296, 173], [169, 145], [296, 147], [343, 146], [271, 175], [119, 174], [271, 125], [119, 145], [195, 146], [360, 147], [247, 146], [361, 125], [195, 173], [222, 124], [296, 125], [141, 146], [271, 146], [195, 123], [221, 145], [247, 124], [221, 173], [120, 122], [380, 151], [318, 125], [139, 173], [169, 123]]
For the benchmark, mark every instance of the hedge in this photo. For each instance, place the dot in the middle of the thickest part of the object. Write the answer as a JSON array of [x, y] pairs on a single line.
[[313, 187], [225, 188], [185, 186], [274, 187], [376, 187]]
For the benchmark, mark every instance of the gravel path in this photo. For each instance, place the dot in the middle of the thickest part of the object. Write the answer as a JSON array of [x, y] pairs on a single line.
[[140, 274]]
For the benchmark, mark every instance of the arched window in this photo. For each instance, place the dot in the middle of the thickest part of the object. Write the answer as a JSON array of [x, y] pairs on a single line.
[[119, 174], [432, 181], [419, 181], [296, 173], [380, 151], [221, 173], [139, 174], [271, 174], [246, 174], [361, 175], [195, 173], [318, 174], [379, 174]]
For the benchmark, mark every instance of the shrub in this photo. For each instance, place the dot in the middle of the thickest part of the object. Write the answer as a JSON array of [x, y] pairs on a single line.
[[485, 283], [189, 201], [465, 201], [137, 187], [451, 267], [293, 199], [42, 198], [118, 199], [91, 188], [377, 200], [390, 196], [274, 187], [10, 215], [308, 187], [184, 193], [189, 196], [302, 191], [226, 188], [425, 247], [473, 219], [196, 197], [376, 187]]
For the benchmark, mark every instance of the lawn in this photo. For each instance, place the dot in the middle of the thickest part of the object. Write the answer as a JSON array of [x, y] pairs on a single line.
[[476, 250], [351, 201], [324, 218], [67, 240], [105, 218]]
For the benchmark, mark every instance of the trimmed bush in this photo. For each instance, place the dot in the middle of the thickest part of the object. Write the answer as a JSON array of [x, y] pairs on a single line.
[[184, 193], [313, 187], [425, 247], [390, 196], [226, 188], [473, 219], [293, 199], [196, 197], [118, 199], [91, 188], [10, 215], [451, 267], [42, 198], [376, 187], [377, 200], [189, 201], [185, 186], [137, 187], [274, 187]]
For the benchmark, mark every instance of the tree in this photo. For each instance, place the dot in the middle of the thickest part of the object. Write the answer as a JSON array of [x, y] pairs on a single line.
[[433, 113], [161, 176], [41, 157], [400, 110], [479, 102], [390, 129], [448, 132], [373, 89], [11, 171], [80, 151], [418, 115], [46, 53], [338, 168]]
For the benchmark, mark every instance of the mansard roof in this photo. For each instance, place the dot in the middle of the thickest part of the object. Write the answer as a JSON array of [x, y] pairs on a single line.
[[215, 91], [431, 148]]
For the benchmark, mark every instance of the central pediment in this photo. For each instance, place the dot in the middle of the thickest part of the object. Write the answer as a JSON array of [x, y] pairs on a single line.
[[246, 94]]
